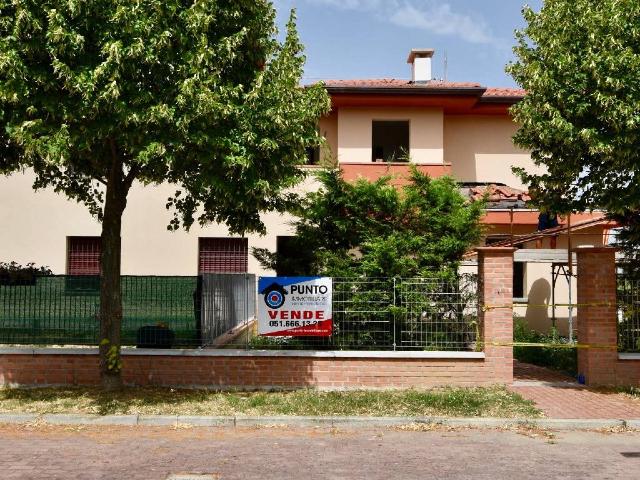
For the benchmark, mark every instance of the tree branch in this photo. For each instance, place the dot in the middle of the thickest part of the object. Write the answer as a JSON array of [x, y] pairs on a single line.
[[131, 176]]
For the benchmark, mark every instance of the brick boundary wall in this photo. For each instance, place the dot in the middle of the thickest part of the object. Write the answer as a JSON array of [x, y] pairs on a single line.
[[495, 315], [248, 372], [597, 321], [288, 370]]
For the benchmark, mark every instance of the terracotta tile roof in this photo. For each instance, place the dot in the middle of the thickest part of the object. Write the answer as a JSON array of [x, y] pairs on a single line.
[[397, 83], [490, 93], [504, 92], [498, 193]]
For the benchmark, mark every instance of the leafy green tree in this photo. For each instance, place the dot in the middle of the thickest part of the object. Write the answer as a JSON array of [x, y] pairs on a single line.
[[579, 61], [375, 229], [372, 234], [97, 95]]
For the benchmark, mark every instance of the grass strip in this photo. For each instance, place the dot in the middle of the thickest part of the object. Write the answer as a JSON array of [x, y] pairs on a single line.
[[455, 402]]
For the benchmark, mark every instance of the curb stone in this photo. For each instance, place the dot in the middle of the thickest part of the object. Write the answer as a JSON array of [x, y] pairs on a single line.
[[202, 421], [76, 419], [580, 424], [158, 420], [632, 423], [309, 421], [18, 417]]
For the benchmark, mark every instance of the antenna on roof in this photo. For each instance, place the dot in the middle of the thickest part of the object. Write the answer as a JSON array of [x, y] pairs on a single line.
[[446, 64]]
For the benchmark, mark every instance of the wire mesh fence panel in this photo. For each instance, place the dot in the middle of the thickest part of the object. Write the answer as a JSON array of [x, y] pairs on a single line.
[[438, 313], [50, 310], [228, 301], [363, 313], [164, 312], [395, 314], [628, 299], [160, 312], [63, 310]]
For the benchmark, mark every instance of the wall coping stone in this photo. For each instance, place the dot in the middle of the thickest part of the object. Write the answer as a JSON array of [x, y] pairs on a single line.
[[629, 356], [589, 249], [495, 249], [247, 353]]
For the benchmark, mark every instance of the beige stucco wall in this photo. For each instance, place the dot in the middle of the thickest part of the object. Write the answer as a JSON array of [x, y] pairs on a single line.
[[328, 127], [480, 149], [35, 226], [425, 133], [538, 285]]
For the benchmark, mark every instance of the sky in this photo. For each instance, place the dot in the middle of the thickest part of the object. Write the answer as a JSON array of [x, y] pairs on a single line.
[[347, 39]]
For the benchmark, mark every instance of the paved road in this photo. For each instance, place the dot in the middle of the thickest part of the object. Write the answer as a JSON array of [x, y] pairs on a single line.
[[48, 452]]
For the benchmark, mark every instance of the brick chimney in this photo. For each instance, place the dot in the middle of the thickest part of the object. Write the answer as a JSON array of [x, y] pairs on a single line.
[[420, 60]]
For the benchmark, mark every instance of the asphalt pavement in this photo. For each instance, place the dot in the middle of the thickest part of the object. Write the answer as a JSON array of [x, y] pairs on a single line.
[[44, 451]]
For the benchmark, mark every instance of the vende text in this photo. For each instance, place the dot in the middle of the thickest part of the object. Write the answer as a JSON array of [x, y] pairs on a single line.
[[296, 315]]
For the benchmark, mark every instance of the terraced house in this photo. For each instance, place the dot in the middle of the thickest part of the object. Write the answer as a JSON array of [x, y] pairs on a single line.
[[375, 127]]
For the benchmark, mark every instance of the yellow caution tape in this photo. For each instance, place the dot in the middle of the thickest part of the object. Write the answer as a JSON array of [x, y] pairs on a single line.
[[550, 345], [486, 308]]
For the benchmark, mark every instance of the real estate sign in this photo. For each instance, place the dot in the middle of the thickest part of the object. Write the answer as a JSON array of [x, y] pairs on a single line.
[[294, 306]]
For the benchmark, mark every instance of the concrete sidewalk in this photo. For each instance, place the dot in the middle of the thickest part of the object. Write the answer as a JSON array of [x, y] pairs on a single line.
[[328, 422]]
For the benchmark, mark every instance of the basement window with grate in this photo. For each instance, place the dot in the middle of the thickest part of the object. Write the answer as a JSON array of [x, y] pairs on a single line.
[[83, 266], [223, 255], [83, 255]]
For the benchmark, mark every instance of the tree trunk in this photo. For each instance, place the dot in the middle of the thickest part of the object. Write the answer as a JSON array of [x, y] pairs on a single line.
[[110, 292]]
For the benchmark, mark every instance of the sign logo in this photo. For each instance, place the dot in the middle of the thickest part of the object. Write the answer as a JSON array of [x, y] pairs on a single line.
[[274, 295]]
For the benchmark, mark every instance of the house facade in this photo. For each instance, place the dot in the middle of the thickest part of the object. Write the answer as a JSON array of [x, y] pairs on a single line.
[[375, 127]]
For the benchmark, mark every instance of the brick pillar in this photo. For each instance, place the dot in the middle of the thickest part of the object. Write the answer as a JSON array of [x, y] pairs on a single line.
[[495, 289], [597, 322]]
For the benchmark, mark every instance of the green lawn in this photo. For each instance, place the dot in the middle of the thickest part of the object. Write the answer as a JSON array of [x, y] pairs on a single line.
[[456, 402]]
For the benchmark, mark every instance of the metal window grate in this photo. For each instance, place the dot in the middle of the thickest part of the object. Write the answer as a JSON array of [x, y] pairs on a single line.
[[83, 255], [223, 255]]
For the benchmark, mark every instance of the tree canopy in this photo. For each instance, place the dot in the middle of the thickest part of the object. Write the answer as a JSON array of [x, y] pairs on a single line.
[[579, 61], [96, 95], [200, 94], [375, 229]]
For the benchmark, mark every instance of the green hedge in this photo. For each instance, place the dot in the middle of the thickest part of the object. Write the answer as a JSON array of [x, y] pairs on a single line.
[[557, 355]]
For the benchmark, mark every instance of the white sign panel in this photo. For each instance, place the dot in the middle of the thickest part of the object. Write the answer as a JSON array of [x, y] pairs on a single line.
[[295, 306]]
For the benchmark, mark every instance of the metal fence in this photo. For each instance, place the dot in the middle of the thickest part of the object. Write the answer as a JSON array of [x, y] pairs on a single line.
[[628, 296], [434, 313], [228, 302], [396, 314], [64, 310]]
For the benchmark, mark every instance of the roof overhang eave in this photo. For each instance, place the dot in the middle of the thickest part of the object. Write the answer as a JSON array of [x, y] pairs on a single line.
[[466, 91], [510, 100]]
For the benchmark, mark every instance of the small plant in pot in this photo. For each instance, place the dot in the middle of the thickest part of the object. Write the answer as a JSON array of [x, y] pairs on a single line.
[[155, 336]]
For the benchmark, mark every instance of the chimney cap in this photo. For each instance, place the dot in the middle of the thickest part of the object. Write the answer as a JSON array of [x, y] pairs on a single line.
[[420, 53]]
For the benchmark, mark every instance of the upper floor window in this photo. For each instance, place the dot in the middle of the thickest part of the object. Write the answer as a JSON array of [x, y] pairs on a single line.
[[390, 142]]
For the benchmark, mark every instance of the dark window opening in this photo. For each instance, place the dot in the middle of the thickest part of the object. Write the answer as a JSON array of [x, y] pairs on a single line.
[[390, 141], [223, 255], [285, 248], [292, 259], [518, 280], [313, 155]]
